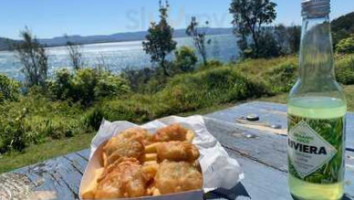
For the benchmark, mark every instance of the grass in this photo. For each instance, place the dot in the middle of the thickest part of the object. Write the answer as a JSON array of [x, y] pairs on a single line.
[[44, 151], [282, 98], [258, 67]]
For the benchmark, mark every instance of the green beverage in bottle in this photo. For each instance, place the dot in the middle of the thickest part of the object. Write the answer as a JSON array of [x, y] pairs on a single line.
[[316, 113]]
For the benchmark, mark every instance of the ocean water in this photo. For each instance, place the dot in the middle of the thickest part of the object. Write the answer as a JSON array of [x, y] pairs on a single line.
[[119, 55]]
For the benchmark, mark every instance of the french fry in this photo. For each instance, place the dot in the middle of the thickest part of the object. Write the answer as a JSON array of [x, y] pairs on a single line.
[[156, 192], [150, 170], [153, 162], [151, 148], [190, 136], [151, 157], [90, 192], [104, 159]]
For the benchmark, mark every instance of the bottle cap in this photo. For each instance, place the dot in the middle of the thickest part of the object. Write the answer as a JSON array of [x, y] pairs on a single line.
[[315, 8]]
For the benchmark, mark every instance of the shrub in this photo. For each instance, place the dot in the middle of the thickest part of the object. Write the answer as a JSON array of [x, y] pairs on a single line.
[[210, 87], [94, 117], [139, 108], [345, 70], [109, 85], [210, 65], [146, 80], [60, 127], [13, 134], [61, 86], [83, 84], [87, 85], [184, 92], [282, 78], [185, 59], [9, 89], [346, 45], [33, 119]]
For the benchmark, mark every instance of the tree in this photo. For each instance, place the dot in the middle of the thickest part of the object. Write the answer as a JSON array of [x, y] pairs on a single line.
[[34, 59], [198, 36], [185, 59], [346, 45], [159, 40], [288, 38], [294, 38], [248, 18], [74, 54], [270, 46]]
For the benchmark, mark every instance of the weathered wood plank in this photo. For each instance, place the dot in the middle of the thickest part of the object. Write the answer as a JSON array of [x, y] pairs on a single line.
[[14, 185], [45, 182], [262, 182], [69, 174], [349, 182], [350, 131], [77, 161], [259, 146], [272, 114], [59, 177], [85, 154]]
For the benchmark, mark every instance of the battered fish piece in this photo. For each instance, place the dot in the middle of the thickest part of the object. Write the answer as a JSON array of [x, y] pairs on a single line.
[[150, 170], [123, 179], [137, 134], [173, 177], [173, 132], [111, 167], [177, 151], [118, 147]]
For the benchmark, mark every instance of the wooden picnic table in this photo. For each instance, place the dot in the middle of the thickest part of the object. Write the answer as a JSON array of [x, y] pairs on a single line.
[[260, 147]]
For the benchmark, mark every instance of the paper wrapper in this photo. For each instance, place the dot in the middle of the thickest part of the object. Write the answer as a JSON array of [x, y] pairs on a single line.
[[219, 169]]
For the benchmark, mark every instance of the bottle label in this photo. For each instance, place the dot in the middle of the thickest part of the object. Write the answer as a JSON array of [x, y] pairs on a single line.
[[315, 148]]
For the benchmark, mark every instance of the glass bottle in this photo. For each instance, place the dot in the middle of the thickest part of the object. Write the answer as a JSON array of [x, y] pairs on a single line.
[[316, 113]]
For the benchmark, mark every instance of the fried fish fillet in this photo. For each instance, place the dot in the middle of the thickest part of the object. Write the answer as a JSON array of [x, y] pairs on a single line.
[[177, 151], [123, 179], [118, 147], [173, 132], [150, 170], [174, 177], [137, 134]]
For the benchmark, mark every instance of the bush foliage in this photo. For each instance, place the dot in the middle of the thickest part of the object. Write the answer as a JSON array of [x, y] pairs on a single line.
[[345, 70], [185, 59], [41, 116], [9, 89], [283, 77], [33, 119], [346, 45], [86, 85]]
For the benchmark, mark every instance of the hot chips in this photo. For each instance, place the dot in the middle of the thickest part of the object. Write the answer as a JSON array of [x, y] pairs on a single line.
[[135, 156], [150, 157]]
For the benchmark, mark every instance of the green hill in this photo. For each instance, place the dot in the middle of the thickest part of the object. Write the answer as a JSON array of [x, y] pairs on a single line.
[[342, 27], [345, 22], [6, 43]]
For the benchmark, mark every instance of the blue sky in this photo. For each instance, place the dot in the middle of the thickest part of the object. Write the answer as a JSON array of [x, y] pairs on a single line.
[[50, 18]]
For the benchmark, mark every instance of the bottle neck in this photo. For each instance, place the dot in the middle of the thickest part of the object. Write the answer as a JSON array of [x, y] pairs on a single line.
[[316, 51]]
